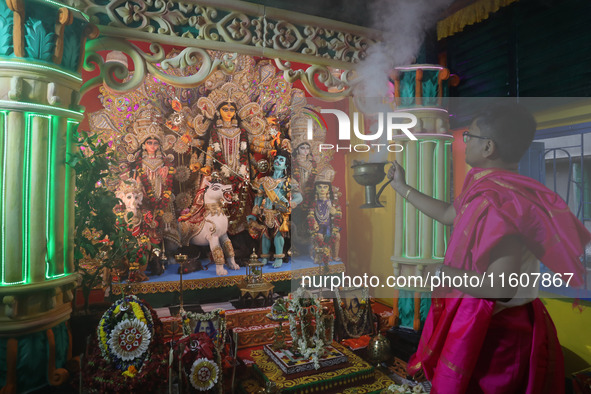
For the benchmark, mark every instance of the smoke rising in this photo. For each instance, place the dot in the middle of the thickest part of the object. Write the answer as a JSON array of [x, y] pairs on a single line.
[[404, 24]]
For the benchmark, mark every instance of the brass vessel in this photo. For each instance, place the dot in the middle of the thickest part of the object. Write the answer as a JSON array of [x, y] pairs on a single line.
[[379, 349], [369, 175]]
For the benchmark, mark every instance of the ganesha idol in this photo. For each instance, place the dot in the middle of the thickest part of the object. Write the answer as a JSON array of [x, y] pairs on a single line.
[[129, 215]]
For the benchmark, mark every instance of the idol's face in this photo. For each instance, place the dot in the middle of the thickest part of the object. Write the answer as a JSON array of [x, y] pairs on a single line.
[[227, 112], [280, 163], [151, 146], [322, 189], [131, 201], [304, 150]]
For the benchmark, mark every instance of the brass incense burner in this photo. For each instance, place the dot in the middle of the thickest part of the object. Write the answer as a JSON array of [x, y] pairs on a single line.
[[369, 175]]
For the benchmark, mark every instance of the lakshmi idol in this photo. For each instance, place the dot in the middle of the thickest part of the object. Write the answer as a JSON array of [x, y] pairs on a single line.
[[153, 171]]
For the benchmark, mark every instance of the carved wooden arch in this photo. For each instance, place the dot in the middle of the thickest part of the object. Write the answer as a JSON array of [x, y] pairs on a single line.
[[231, 26]]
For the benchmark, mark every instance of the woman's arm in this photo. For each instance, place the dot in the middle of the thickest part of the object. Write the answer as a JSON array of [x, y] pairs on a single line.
[[441, 211], [505, 259]]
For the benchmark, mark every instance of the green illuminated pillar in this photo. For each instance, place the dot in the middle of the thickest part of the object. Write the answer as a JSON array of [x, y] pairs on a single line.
[[12, 265], [419, 240], [39, 112]]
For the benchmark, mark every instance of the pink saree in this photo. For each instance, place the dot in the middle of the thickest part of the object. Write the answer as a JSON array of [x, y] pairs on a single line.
[[464, 348]]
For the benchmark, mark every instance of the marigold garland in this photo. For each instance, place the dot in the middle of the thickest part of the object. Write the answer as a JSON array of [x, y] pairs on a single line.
[[217, 150], [324, 243], [157, 205]]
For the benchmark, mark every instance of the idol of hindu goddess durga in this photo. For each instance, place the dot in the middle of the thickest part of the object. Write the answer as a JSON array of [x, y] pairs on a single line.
[[231, 129]]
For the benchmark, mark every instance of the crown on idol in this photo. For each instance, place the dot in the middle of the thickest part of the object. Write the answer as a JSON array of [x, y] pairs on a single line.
[[147, 124]]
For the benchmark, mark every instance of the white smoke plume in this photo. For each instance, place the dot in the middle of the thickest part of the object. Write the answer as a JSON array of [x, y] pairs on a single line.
[[404, 24]]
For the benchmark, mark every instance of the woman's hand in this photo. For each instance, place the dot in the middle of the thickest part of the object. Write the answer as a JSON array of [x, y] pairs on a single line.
[[397, 175]]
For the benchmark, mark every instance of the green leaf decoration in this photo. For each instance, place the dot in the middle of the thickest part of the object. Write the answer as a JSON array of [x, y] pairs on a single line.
[[40, 44], [5, 12], [425, 306], [406, 308], [6, 46], [71, 51], [95, 210], [407, 89], [429, 92]]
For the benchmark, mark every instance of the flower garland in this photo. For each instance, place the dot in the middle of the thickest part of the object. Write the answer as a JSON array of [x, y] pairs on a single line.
[[205, 317], [305, 311], [197, 353], [125, 332], [204, 374], [404, 389], [324, 243], [158, 205], [128, 353], [200, 352], [129, 340], [219, 157], [219, 338]]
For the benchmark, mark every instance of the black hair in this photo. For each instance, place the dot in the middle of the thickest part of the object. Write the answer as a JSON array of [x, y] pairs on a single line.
[[139, 151], [217, 112], [141, 148], [205, 138], [511, 127], [287, 155]]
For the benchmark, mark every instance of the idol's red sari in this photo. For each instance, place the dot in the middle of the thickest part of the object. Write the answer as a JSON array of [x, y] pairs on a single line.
[[464, 348]]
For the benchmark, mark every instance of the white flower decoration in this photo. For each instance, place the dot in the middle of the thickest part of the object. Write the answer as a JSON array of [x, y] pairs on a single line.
[[226, 171], [216, 147], [242, 171], [243, 145], [204, 374], [130, 339]]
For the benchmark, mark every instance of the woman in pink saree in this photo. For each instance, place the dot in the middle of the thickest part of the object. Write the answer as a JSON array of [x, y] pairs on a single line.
[[493, 339]]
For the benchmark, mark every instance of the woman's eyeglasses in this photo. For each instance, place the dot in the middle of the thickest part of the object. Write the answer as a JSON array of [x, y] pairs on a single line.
[[467, 137]]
